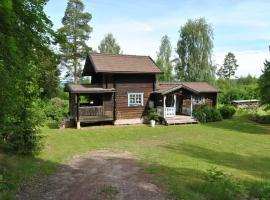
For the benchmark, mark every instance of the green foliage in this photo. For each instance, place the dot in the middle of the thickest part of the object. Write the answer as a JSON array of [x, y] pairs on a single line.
[[227, 111], [57, 109], [48, 75], [204, 115], [152, 114], [263, 191], [5, 179], [109, 45], [199, 115], [164, 59], [194, 49], [75, 33], [264, 85], [237, 89], [221, 186], [26, 37], [262, 119], [229, 67]]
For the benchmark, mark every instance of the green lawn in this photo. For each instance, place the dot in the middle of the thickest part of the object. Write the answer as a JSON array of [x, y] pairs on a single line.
[[177, 156]]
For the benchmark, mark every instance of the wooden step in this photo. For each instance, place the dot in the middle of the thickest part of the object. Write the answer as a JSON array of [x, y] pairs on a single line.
[[180, 120]]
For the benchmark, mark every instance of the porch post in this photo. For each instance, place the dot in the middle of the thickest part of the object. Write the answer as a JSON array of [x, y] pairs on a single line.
[[191, 105], [78, 111], [174, 104], [164, 106]]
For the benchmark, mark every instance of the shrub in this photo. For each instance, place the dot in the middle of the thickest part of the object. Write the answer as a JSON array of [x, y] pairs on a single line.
[[262, 119], [260, 190], [221, 186], [227, 111], [57, 109], [152, 114], [5, 183], [199, 115], [207, 115]]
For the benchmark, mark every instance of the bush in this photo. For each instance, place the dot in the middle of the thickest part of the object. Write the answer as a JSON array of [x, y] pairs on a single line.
[[207, 115], [199, 115], [57, 109], [260, 190], [227, 111], [262, 119], [152, 114], [221, 186], [20, 133]]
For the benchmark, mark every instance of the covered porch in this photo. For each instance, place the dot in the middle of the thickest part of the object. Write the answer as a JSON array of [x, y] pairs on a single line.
[[175, 102], [90, 104]]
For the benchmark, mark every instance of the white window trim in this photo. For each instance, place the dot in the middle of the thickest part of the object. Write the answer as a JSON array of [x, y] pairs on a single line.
[[135, 104], [199, 100]]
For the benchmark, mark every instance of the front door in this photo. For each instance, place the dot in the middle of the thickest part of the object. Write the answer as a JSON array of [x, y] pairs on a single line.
[[179, 102]]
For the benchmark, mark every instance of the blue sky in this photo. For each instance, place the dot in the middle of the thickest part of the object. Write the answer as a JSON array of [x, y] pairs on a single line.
[[240, 26]]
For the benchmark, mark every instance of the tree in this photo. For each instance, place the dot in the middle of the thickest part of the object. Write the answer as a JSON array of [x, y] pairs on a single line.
[[25, 33], [109, 45], [48, 75], [194, 49], [264, 85], [164, 59], [229, 67], [76, 31]]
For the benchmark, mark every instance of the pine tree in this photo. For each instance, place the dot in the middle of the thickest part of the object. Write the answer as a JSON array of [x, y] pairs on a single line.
[[109, 45], [76, 31], [264, 85], [229, 67], [164, 59]]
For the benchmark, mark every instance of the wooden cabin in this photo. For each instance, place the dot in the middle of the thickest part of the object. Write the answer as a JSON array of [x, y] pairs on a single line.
[[123, 87]]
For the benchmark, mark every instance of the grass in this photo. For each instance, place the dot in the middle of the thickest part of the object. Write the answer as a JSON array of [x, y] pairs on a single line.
[[177, 156]]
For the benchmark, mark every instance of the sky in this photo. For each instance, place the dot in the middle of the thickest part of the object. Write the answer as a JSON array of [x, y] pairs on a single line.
[[240, 26]]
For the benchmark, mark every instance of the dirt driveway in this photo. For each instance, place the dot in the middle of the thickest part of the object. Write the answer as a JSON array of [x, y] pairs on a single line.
[[99, 175]]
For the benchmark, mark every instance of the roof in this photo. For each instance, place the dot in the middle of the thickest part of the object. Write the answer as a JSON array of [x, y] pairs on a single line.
[[196, 87], [87, 88], [246, 101], [108, 63]]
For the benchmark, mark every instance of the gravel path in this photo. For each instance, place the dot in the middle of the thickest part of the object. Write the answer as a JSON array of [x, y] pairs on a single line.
[[99, 175]]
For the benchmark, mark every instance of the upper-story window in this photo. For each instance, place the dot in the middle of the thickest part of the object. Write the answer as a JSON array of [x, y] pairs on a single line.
[[135, 99]]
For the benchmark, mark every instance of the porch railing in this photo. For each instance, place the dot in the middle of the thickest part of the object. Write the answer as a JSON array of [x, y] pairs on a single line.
[[92, 111], [169, 111]]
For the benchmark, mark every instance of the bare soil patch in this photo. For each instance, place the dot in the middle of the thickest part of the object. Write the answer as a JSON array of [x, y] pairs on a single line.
[[98, 175]]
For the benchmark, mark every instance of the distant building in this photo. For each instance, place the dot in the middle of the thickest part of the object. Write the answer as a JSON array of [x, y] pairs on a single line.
[[252, 103]]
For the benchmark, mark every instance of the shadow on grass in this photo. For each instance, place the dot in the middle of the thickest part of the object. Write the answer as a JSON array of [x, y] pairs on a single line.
[[254, 165], [18, 171], [187, 183], [241, 124]]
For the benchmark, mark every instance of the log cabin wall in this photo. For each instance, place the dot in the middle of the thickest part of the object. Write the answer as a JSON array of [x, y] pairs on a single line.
[[108, 104], [132, 83]]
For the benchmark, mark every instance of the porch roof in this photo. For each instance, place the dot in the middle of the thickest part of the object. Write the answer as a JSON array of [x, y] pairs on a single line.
[[195, 87], [87, 89]]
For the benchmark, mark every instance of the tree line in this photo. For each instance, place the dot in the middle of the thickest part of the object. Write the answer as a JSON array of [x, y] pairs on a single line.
[[31, 53]]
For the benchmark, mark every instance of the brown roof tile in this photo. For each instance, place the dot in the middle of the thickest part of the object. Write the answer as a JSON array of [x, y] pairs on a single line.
[[108, 63], [197, 87]]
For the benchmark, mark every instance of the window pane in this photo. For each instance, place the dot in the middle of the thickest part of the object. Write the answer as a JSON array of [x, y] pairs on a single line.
[[135, 99]]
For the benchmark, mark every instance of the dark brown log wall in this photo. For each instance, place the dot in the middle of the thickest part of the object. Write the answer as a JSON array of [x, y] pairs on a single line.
[[135, 83]]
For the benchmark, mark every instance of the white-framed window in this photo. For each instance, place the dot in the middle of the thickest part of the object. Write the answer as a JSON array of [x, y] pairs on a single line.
[[135, 99], [199, 100]]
